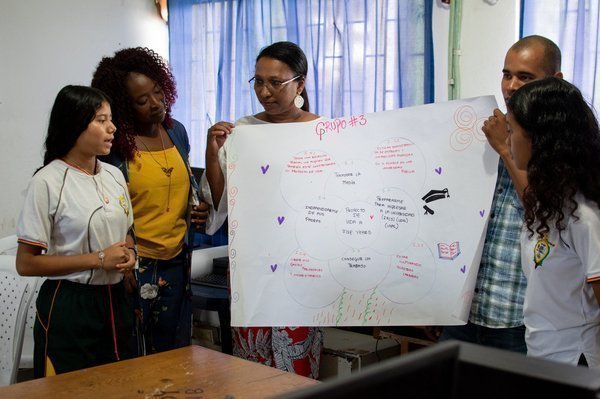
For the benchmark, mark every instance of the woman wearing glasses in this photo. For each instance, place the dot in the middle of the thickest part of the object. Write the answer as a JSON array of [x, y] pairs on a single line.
[[279, 79]]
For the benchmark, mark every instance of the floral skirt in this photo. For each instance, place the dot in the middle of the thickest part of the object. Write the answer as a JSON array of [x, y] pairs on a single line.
[[293, 349]]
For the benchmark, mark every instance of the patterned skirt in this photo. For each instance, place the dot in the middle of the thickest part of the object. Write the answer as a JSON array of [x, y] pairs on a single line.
[[293, 349]]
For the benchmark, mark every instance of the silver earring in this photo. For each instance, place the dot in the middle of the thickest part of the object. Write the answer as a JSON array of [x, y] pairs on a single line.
[[298, 101]]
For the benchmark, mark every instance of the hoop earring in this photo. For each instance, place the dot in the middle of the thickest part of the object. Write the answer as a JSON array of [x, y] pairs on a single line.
[[298, 101]]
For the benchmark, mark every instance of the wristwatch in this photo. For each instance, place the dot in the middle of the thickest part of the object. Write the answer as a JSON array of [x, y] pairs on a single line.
[[101, 257]]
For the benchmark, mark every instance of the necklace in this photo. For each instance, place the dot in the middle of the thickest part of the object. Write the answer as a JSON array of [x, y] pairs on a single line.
[[99, 190], [81, 168], [166, 169], [103, 196]]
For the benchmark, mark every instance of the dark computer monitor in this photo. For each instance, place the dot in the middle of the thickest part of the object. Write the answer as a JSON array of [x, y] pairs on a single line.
[[460, 370]]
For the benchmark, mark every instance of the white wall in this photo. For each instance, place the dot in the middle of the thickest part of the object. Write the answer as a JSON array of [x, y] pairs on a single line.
[[489, 28], [44, 45], [488, 32]]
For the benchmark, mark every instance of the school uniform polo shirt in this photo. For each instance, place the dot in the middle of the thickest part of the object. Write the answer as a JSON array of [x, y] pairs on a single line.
[[562, 315], [69, 212]]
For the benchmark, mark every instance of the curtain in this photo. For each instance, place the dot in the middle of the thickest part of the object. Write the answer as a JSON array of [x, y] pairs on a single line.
[[363, 55], [574, 26]]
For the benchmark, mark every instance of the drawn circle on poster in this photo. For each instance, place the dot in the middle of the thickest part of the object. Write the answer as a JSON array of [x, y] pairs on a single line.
[[358, 224], [316, 228], [309, 168], [411, 274], [401, 164], [361, 269], [304, 275], [398, 217], [461, 139], [353, 180], [465, 117]]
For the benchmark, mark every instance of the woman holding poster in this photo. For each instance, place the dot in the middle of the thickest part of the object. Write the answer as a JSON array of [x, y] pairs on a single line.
[[279, 85]]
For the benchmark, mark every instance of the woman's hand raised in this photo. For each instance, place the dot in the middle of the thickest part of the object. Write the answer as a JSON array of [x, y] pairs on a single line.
[[217, 134]]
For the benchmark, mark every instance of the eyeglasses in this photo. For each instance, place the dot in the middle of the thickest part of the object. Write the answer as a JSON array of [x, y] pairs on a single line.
[[273, 85]]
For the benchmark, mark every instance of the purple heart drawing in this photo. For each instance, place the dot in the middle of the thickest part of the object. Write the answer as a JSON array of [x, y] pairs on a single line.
[[280, 219], [274, 267], [482, 212], [462, 269], [264, 168], [438, 170]]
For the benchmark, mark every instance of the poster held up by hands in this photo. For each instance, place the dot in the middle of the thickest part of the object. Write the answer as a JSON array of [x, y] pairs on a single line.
[[375, 219]]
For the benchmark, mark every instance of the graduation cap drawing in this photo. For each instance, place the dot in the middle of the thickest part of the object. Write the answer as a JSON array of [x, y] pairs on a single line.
[[434, 195]]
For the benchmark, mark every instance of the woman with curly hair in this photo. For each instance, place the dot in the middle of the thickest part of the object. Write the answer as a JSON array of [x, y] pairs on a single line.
[[554, 136], [152, 149]]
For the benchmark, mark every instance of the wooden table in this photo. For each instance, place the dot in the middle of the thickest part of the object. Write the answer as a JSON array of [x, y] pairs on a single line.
[[192, 372]]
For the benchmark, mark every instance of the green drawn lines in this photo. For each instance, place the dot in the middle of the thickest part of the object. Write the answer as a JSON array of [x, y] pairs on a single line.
[[340, 306], [366, 314], [368, 308]]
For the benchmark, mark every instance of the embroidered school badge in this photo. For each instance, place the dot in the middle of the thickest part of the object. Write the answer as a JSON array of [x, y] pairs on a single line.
[[124, 204], [541, 250]]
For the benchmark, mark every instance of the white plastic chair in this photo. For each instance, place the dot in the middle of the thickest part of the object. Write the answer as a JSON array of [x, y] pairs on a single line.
[[14, 301], [8, 246], [27, 351]]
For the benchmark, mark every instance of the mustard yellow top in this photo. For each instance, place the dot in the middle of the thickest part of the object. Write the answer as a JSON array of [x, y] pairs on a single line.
[[159, 205]]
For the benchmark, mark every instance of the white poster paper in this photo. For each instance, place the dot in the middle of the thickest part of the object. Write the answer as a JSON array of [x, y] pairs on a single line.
[[375, 219]]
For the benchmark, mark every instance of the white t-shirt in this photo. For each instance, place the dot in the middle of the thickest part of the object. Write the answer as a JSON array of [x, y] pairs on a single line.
[[561, 313], [65, 213]]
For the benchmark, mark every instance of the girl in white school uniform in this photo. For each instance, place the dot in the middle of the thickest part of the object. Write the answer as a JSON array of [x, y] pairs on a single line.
[[554, 136], [74, 229]]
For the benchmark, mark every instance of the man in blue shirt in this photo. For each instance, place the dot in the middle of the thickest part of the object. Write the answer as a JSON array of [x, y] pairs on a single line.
[[496, 317]]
